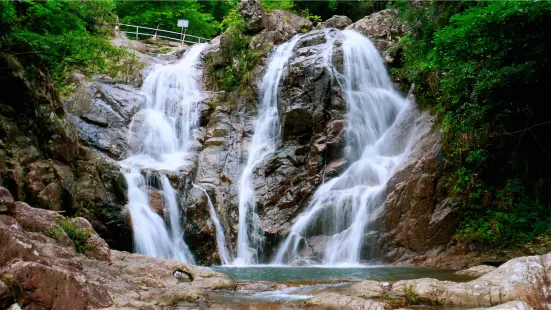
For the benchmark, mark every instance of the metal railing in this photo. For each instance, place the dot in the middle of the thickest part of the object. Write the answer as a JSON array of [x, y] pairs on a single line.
[[181, 37]]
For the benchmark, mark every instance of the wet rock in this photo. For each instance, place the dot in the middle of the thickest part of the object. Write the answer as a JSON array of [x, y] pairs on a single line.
[[336, 21], [156, 202], [409, 218], [385, 30], [340, 301], [253, 13], [476, 271]]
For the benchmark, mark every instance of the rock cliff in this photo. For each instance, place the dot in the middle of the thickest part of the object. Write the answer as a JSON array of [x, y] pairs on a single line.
[[62, 155], [52, 262]]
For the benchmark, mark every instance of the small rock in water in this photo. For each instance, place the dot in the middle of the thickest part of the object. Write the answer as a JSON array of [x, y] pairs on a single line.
[[182, 276]]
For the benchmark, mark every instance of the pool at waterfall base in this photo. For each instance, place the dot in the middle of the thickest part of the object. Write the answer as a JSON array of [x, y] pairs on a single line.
[[286, 287]]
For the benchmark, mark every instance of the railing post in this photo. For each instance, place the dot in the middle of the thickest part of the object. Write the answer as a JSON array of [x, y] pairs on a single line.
[[155, 36], [184, 36]]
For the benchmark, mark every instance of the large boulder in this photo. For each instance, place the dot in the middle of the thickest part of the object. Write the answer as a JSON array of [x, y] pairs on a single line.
[[380, 25], [253, 13], [280, 27], [521, 279], [336, 21], [102, 112], [385, 31]]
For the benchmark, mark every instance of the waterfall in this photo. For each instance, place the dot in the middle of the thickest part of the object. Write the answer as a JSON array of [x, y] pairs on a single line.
[[160, 139], [264, 141], [220, 238], [339, 209]]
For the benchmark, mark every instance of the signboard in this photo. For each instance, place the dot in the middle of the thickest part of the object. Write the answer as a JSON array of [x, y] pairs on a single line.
[[184, 23]]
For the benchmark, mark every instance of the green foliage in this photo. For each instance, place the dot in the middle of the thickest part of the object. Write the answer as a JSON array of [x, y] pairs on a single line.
[[219, 9], [61, 36], [165, 14], [411, 295], [322, 10], [273, 5], [315, 19], [483, 67], [79, 235], [243, 61], [354, 9], [54, 232]]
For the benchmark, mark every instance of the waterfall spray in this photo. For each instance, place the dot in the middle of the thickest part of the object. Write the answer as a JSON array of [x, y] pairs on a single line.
[[264, 141], [342, 204], [160, 135]]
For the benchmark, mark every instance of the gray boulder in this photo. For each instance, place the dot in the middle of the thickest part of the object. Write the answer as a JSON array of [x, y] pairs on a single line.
[[253, 13]]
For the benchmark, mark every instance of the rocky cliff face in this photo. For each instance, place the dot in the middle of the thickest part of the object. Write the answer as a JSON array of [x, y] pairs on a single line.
[[52, 262], [43, 161]]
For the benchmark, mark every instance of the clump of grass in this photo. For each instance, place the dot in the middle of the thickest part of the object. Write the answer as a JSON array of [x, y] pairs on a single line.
[[54, 232], [411, 295], [78, 235]]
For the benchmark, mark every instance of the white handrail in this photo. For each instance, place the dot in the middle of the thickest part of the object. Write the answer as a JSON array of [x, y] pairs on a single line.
[[182, 36]]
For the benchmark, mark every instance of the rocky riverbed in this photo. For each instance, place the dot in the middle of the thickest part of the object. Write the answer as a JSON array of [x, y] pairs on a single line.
[[52, 262]]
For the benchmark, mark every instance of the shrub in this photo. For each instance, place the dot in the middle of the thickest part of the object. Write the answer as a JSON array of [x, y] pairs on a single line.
[[482, 67], [78, 235]]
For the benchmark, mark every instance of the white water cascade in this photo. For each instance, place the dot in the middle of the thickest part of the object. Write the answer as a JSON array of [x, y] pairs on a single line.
[[264, 141], [161, 139], [223, 252], [340, 207]]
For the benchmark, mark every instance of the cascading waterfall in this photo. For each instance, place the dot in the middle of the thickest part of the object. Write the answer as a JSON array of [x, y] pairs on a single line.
[[161, 136], [339, 208], [223, 252], [264, 141]]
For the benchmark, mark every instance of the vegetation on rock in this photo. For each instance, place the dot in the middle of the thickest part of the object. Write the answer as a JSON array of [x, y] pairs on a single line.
[[78, 235], [483, 68], [62, 36]]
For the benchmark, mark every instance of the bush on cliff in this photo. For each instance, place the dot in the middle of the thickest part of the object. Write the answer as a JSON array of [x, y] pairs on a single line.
[[483, 67], [60, 36]]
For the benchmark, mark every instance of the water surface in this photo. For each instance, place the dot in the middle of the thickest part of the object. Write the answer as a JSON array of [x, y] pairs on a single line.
[[331, 274]]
